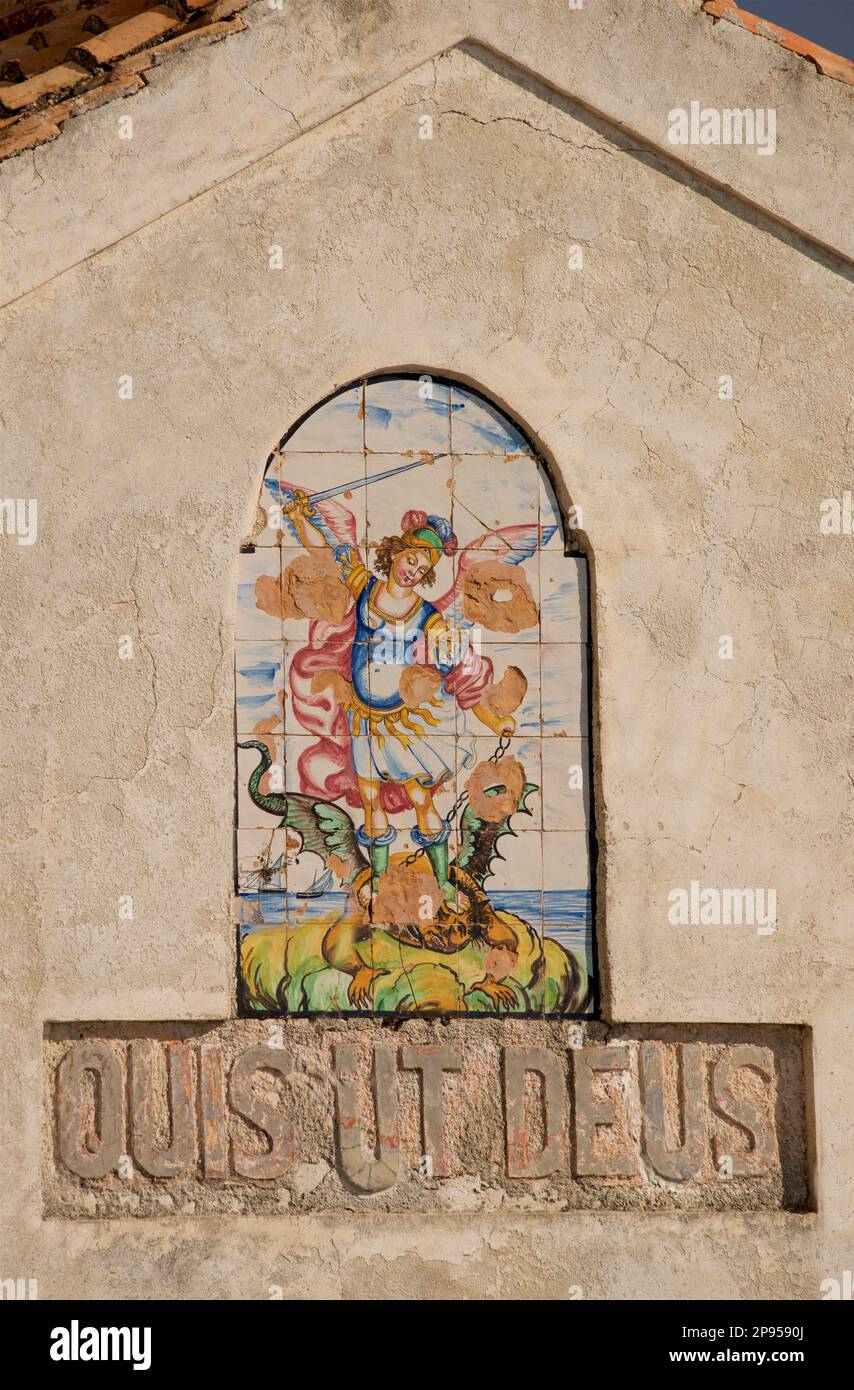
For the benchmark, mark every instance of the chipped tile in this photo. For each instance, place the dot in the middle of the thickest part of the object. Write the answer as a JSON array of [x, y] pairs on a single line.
[[311, 589], [258, 596], [515, 689], [490, 786], [500, 595]]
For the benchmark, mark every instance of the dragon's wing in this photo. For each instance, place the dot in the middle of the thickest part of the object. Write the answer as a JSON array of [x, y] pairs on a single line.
[[479, 838], [326, 830], [521, 542]]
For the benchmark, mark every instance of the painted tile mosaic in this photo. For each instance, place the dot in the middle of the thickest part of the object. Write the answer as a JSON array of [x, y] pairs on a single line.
[[411, 684]]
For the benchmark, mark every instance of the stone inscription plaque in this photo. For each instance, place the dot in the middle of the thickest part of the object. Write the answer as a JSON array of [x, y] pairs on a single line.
[[310, 1115]]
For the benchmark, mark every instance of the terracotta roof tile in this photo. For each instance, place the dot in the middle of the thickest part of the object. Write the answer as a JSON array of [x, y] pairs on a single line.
[[28, 17], [829, 64], [25, 135], [62, 78], [48, 42], [137, 62], [206, 33], [96, 96], [117, 42], [61, 57]]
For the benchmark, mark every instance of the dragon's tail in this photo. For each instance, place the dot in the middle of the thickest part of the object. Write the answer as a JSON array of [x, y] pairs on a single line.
[[274, 803]]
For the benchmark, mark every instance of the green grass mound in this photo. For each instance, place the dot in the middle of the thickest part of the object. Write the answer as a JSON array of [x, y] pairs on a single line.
[[283, 970]]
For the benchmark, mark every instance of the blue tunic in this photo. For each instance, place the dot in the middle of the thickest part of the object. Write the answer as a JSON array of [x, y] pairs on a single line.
[[390, 743], [383, 647]]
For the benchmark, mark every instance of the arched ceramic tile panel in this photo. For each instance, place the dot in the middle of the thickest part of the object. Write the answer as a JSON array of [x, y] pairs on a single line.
[[410, 630]]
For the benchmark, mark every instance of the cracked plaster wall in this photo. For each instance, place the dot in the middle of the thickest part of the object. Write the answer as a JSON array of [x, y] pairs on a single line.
[[296, 68], [702, 519]]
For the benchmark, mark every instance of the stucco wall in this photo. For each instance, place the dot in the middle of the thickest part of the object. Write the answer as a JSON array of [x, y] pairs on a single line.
[[702, 519], [203, 117]]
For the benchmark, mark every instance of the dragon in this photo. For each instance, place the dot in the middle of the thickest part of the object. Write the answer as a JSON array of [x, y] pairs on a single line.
[[328, 831]]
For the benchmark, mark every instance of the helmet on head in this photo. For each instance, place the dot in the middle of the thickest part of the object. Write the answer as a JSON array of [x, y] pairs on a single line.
[[428, 532]]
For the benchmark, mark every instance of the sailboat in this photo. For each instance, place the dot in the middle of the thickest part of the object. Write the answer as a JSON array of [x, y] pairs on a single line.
[[318, 886]]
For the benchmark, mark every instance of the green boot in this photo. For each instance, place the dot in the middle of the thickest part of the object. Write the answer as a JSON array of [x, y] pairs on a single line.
[[378, 848], [379, 864], [437, 852]]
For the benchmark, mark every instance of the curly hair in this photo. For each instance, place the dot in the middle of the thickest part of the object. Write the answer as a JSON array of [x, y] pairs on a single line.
[[390, 546]]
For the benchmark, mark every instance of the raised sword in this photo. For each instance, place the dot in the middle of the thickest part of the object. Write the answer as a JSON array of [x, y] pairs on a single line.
[[363, 482]]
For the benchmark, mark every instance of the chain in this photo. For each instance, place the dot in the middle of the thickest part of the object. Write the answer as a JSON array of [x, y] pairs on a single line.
[[495, 757], [266, 870]]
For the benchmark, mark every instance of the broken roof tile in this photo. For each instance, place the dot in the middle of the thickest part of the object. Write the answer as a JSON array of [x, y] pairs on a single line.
[[207, 33], [829, 64], [26, 135], [96, 96], [62, 78], [57, 55]]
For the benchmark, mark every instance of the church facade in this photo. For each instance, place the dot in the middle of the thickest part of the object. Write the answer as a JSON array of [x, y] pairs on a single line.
[[428, 655]]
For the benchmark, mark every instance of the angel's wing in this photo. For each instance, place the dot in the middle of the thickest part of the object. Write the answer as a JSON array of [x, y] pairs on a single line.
[[338, 522], [518, 543], [479, 838]]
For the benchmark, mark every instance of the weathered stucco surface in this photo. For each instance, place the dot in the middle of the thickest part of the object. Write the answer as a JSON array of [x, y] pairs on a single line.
[[701, 516], [300, 66]]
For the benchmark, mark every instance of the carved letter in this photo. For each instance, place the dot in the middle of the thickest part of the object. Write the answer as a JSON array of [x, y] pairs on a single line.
[[214, 1115], [268, 1118], [167, 1163], [589, 1113], [742, 1112], [521, 1163], [686, 1160], [367, 1172], [98, 1058], [431, 1062]]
